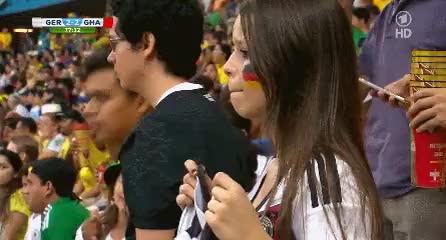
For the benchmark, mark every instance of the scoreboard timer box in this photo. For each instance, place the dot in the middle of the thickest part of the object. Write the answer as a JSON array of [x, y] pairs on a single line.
[[72, 25]]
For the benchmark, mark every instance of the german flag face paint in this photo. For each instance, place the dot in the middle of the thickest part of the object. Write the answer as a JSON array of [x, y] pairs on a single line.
[[249, 77]]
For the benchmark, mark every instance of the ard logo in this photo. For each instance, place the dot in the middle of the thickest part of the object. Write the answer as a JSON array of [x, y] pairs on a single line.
[[403, 20]]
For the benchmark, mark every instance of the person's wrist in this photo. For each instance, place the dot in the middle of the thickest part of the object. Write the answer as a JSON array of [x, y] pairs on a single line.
[[258, 234]]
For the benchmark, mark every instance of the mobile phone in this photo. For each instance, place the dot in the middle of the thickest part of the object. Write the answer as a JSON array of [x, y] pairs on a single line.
[[205, 188], [378, 88]]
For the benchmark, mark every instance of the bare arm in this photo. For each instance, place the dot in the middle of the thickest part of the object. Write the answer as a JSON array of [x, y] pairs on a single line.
[[15, 223], [143, 234], [92, 192], [78, 188]]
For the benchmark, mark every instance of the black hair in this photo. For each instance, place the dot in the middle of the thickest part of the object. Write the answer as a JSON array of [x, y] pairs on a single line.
[[362, 13], [8, 89], [176, 25], [95, 62], [58, 96], [204, 81], [374, 10], [13, 159], [74, 115], [13, 185], [12, 122], [59, 172], [60, 65], [227, 50], [2, 69], [29, 123], [67, 82], [116, 6], [37, 92], [219, 36]]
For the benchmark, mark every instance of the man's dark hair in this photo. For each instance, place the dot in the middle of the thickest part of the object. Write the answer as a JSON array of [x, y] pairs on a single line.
[[57, 96], [8, 89], [94, 62], [69, 113], [374, 10], [176, 25], [67, 82], [362, 13], [57, 171], [37, 92], [116, 6], [29, 123]]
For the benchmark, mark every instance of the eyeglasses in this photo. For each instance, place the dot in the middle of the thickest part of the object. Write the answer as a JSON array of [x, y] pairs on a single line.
[[114, 42]]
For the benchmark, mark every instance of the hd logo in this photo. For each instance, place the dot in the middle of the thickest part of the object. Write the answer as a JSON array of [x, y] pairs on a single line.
[[403, 20]]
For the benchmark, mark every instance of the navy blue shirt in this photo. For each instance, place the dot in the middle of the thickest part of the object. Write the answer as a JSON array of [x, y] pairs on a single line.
[[403, 25]]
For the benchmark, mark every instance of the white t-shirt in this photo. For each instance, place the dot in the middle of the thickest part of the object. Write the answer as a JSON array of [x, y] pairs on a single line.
[[33, 231], [22, 110], [56, 143], [314, 226], [308, 223], [35, 112]]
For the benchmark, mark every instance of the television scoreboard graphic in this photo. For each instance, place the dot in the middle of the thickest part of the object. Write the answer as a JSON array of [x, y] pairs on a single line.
[[72, 25]]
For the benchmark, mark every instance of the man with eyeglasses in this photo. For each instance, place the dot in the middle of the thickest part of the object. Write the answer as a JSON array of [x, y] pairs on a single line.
[[155, 45]]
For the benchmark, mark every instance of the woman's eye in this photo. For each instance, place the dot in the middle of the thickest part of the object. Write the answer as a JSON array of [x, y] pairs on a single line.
[[244, 53]]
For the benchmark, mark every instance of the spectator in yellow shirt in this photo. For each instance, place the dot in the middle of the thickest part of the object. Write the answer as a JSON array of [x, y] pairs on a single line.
[[5, 40], [14, 212], [220, 55]]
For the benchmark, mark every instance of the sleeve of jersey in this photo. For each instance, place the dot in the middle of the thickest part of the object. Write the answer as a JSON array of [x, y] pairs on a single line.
[[152, 164]]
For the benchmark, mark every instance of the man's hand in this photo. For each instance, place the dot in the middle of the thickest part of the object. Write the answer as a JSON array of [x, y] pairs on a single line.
[[429, 110], [399, 87]]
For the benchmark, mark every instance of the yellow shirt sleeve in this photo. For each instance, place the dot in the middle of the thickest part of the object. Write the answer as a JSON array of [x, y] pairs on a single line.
[[87, 177], [96, 156], [65, 148], [18, 204]]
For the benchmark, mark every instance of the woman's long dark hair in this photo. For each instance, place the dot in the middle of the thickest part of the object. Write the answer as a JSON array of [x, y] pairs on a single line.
[[13, 185], [303, 54]]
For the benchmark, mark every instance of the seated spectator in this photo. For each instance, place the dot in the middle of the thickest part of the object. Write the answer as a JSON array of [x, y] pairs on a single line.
[[37, 102], [52, 139], [11, 120], [361, 19], [16, 105], [13, 210], [220, 55], [26, 126], [49, 191], [26, 147]]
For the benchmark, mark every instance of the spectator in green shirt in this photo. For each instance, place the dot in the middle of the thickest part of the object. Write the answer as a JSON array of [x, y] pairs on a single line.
[[49, 191], [361, 25]]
